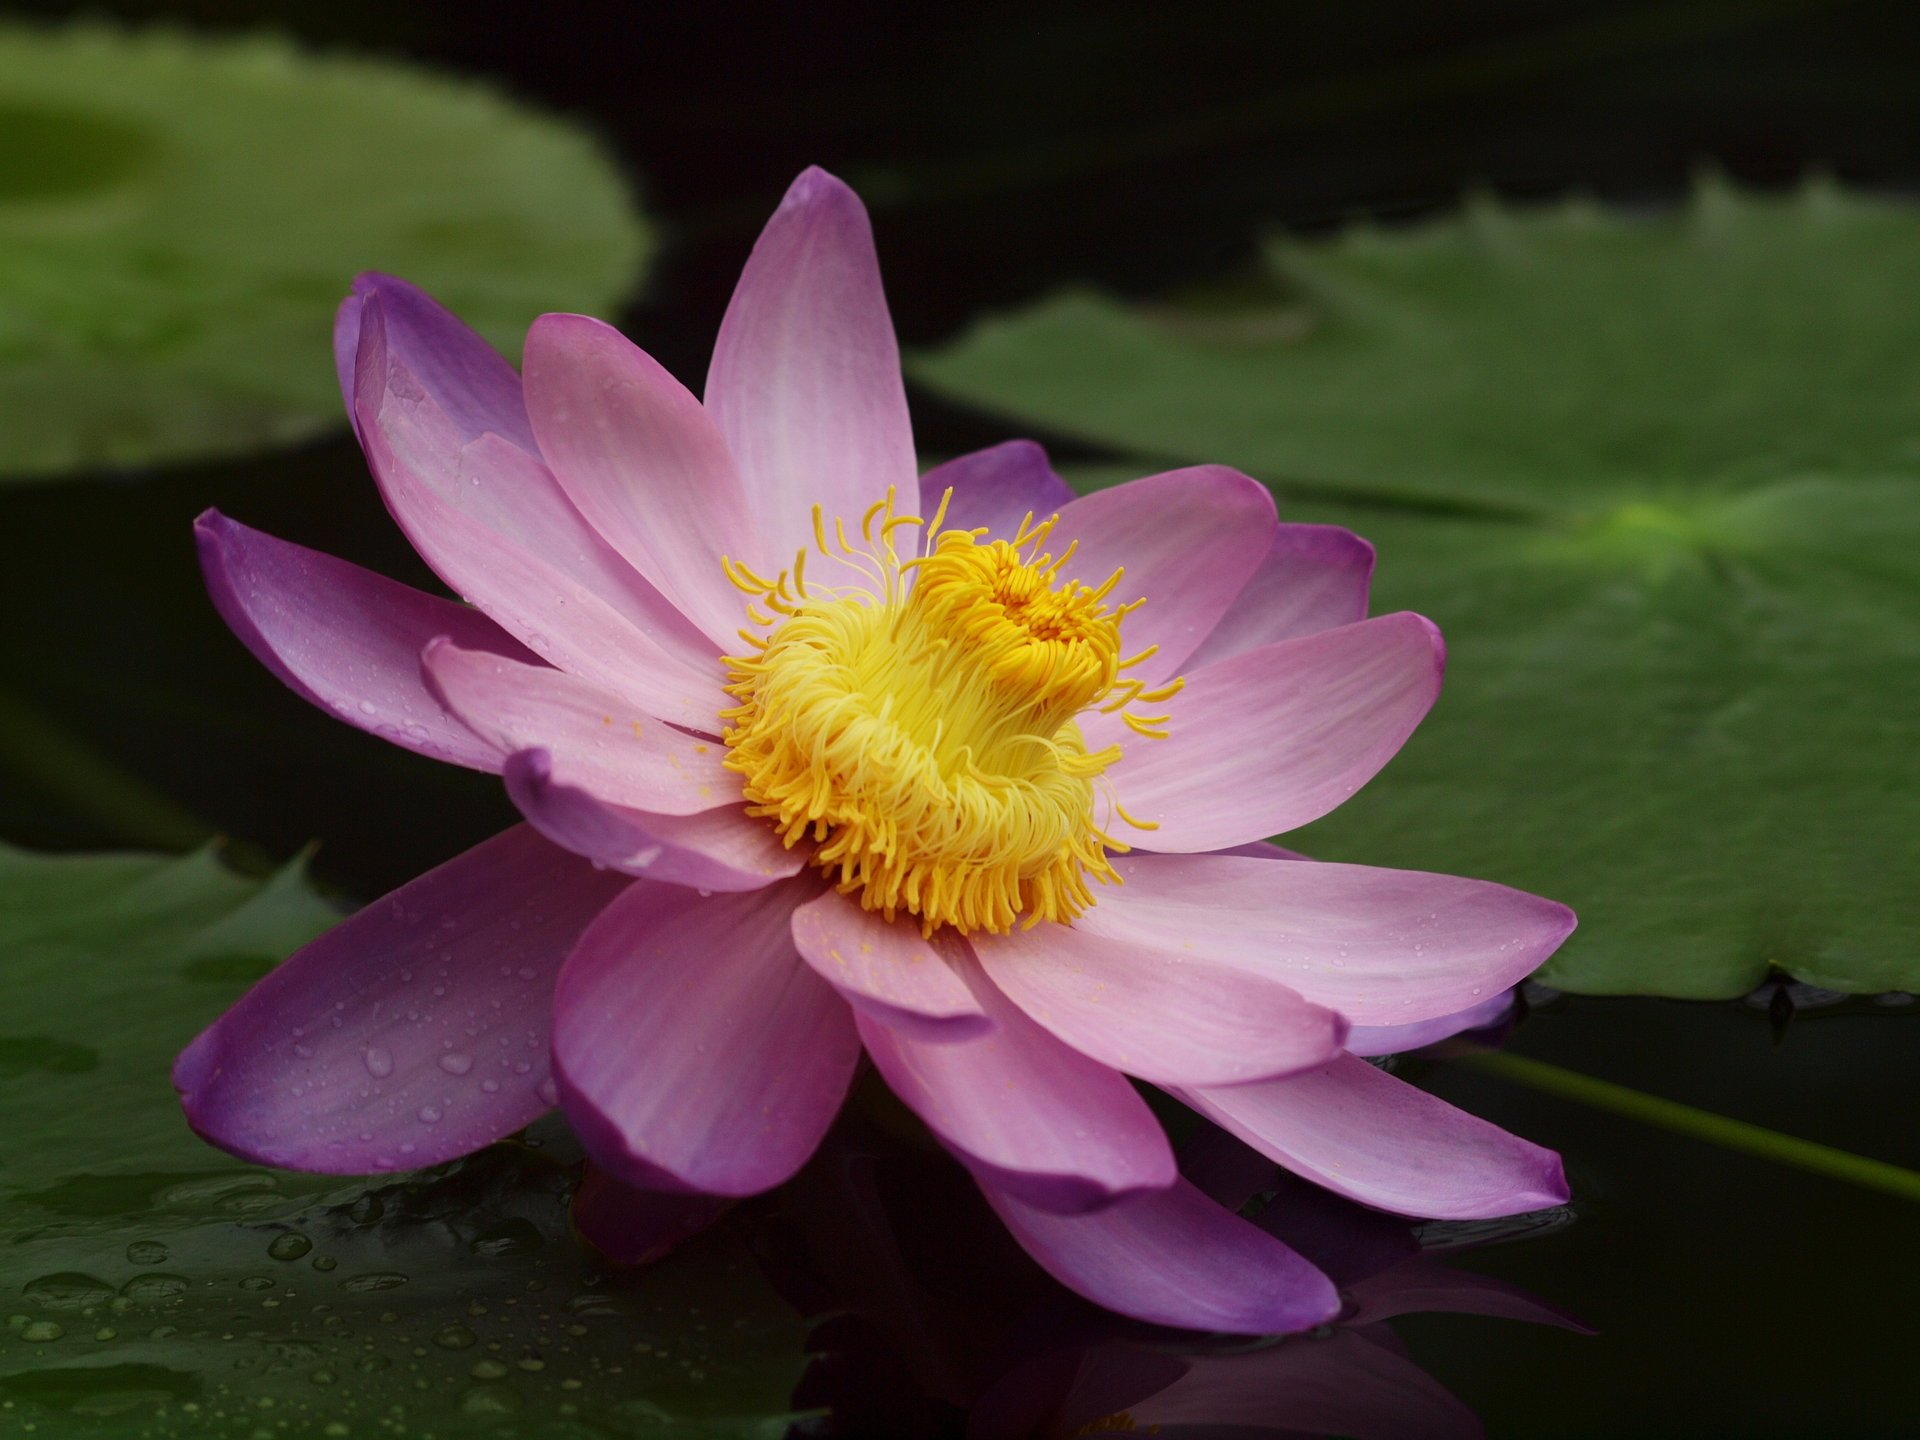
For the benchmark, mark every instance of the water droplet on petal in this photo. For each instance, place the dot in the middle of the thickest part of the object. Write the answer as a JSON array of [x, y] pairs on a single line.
[[379, 1062], [456, 1062]]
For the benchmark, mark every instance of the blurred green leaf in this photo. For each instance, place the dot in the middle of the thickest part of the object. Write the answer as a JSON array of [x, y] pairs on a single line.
[[179, 216], [1656, 480], [156, 1287]]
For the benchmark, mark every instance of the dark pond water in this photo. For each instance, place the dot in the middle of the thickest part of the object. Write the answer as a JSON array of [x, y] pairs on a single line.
[[1011, 150]]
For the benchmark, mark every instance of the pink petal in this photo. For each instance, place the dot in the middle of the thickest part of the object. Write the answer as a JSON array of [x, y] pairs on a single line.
[[636, 1227], [694, 1050], [1361, 1133], [1174, 1258], [1188, 542], [496, 527], [720, 849], [599, 743], [1383, 947], [1025, 1113], [1169, 1013], [412, 1032], [1268, 739], [995, 488], [645, 464], [805, 382], [468, 379], [344, 638], [887, 970], [1398, 1039], [1314, 578]]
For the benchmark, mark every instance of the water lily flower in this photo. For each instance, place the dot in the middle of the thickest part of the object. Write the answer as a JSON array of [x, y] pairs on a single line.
[[820, 756]]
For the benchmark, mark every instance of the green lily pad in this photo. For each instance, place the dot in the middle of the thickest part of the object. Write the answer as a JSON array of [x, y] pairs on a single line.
[[151, 1286], [179, 216], [1656, 479]]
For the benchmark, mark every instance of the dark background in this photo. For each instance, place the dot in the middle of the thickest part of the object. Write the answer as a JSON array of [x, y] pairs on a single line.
[[1008, 150]]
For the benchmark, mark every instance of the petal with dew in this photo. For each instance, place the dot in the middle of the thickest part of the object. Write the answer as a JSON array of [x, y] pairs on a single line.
[[494, 524], [597, 742], [1187, 542], [1174, 1258], [805, 382], [887, 969], [1169, 1015], [996, 488], [467, 378], [1358, 1131], [720, 849], [1398, 1039], [1268, 739], [410, 1033], [1025, 1113], [1383, 947], [631, 1226], [346, 639], [695, 1051], [1314, 578], [645, 464]]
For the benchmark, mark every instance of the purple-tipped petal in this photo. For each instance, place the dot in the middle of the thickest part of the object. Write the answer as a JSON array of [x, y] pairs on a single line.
[[465, 376], [888, 969], [345, 638], [723, 849], [1314, 578], [996, 488], [1170, 1014], [1175, 1258], [494, 524], [1383, 947], [410, 1033], [1024, 1112], [1398, 1039], [694, 1049], [598, 742], [1187, 540], [1269, 739], [1361, 1133], [805, 382], [644, 463], [636, 1227]]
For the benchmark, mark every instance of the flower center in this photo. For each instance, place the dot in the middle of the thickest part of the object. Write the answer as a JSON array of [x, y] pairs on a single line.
[[918, 724]]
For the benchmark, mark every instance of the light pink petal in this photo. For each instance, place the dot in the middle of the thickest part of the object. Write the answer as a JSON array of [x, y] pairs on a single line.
[[720, 849], [645, 464], [599, 742], [996, 488], [1314, 578], [1355, 1129], [1398, 1039], [1187, 540], [1268, 739], [466, 377], [495, 526], [631, 1226], [1174, 1258], [694, 1050], [1169, 1014], [346, 639], [888, 970], [413, 1032], [805, 382], [1025, 1113], [1383, 947], [1423, 1284]]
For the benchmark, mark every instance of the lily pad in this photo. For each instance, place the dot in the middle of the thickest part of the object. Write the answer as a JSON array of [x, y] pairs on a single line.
[[1656, 479], [151, 1286], [179, 216]]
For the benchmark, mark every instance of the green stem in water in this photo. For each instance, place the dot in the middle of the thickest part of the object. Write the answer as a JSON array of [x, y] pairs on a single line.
[[1701, 1124]]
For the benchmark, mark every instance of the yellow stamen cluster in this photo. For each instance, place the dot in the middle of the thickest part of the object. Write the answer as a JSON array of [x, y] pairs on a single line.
[[917, 727]]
